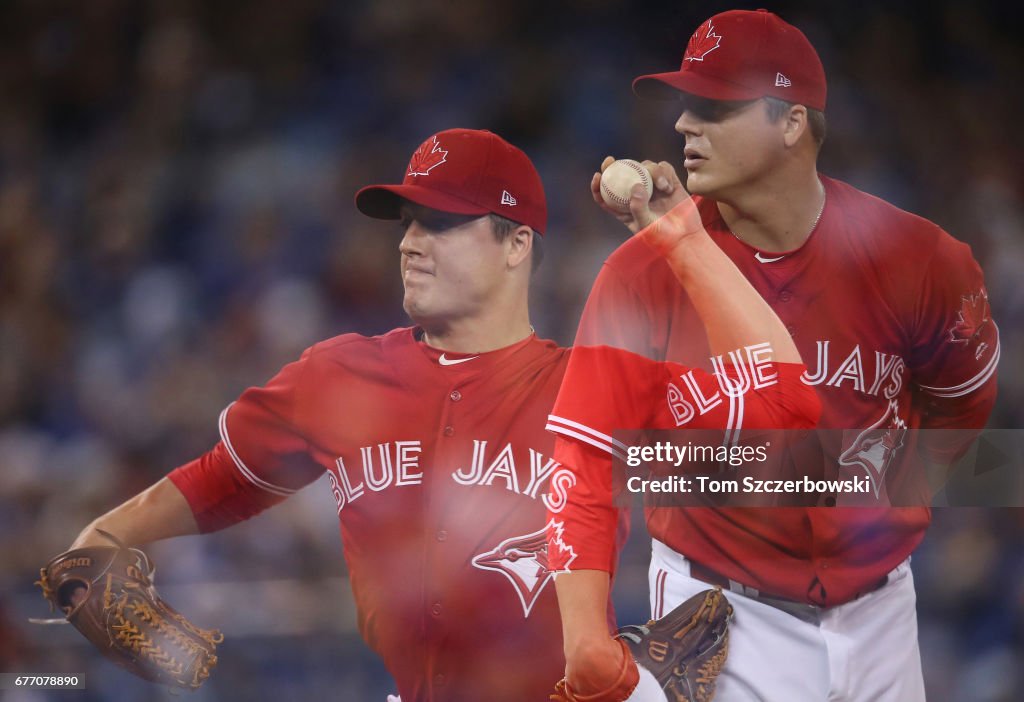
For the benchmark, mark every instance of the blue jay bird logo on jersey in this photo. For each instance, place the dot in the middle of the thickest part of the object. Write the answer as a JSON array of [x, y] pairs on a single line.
[[524, 561], [875, 448]]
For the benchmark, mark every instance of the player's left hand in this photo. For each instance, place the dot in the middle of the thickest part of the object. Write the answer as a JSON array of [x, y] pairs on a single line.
[[668, 192]]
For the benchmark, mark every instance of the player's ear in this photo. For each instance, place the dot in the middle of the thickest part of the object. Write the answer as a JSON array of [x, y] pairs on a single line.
[[794, 124], [518, 246]]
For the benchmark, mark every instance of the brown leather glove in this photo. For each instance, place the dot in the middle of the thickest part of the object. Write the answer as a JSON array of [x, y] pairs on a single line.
[[107, 593], [686, 649]]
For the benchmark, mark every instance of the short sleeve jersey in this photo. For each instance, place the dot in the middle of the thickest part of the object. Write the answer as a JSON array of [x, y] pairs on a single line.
[[891, 317], [441, 470]]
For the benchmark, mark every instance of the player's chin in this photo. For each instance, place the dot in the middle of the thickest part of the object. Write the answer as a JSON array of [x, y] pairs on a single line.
[[697, 183], [422, 310], [413, 305]]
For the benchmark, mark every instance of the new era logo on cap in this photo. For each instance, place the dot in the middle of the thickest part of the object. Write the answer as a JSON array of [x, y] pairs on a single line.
[[479, 174], [782, 81]]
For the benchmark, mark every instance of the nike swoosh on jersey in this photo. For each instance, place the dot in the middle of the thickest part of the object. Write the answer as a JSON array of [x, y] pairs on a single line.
[[762, 259], [454, 361]]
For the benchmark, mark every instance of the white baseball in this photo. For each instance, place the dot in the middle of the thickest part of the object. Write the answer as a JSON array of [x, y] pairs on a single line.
[[617, 182]]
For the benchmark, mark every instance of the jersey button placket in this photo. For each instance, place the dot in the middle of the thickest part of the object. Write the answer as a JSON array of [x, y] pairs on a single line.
[[449, 429], [436, 609]]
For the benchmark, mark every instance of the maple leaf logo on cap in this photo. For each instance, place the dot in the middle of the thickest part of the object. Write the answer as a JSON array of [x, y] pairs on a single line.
[[429, 156], [702, 43], [972, 318]]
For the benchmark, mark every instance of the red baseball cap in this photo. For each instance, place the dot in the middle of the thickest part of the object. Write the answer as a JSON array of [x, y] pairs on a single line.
[[744, 55], [464, 171]]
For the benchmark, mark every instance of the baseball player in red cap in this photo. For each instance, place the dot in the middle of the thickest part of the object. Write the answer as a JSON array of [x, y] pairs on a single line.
[[890, 314], [433, 436]]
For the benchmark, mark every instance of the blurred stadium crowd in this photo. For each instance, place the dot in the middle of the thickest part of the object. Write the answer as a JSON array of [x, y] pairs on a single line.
[[176, 222]]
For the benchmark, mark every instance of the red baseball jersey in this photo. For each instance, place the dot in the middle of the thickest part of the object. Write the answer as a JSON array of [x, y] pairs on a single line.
[[442, 473], [891, 317], [608, 389]]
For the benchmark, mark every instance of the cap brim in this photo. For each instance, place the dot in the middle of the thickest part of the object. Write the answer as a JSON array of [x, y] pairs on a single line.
[[385, 201], [668, 86]]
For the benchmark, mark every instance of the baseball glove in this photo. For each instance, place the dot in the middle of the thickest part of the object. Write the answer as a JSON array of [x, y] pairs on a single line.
[[684, 650], [107, 593]]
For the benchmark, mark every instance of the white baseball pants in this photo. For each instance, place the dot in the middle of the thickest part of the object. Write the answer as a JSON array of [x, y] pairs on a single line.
[[862, 651]]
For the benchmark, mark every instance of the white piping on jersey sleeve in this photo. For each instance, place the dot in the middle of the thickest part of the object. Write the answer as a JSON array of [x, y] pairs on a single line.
[[248, 474], [966, 388], [735, 421], [567, 427]]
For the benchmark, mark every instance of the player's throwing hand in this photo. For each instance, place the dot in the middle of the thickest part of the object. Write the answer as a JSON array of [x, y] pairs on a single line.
[[668, 192]]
